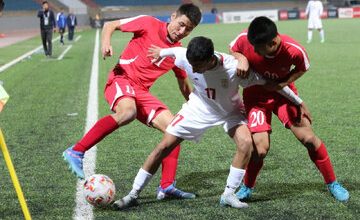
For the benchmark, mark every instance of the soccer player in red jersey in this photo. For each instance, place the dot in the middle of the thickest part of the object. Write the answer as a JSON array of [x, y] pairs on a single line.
[[127, 88], [279, 58]]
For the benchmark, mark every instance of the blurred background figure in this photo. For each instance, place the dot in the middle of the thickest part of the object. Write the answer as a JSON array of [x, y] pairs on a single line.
[[71, 23], [97, 21], [61, 23], [2, 4], [314, 10], [47, 26]]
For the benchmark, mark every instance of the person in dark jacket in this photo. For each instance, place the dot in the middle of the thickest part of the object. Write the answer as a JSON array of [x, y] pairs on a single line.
[[61, 23], [47, 26], [71, 23]]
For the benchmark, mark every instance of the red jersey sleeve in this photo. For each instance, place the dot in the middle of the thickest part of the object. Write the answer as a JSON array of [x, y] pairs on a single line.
[[237, 45], [179, 73], [136, 24], [299, 56]]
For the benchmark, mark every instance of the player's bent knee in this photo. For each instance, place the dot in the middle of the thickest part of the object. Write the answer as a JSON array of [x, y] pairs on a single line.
[[125, 117], [309, 140]]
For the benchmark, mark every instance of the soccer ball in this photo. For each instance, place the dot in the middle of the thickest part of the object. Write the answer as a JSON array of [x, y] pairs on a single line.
[[99, 190]]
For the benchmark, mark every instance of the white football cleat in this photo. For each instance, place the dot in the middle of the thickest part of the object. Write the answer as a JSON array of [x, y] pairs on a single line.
[[233, 201], [124, 203]]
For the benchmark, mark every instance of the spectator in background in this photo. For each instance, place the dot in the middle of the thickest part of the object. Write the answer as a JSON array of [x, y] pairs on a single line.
[[2, 4], [314, 10], [47, 26], [71, 23], [97, 21], [61, 23]]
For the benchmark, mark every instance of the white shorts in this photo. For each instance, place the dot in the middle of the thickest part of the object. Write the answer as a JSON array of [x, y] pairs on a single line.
[[314, 23], [190, 123]]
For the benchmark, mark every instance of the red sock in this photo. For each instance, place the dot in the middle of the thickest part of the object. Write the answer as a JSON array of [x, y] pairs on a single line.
[[322, 161], [252, 171], [169, 166], [101, 129]]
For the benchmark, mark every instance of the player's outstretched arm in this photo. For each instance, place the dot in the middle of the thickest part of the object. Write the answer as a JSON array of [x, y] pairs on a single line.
[[289, 94], [242, 69], [185, 87], [107, 31]]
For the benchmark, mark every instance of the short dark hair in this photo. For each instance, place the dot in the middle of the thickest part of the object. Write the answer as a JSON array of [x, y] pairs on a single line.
[[262, 30], [45, 2], [191, 11], [200, 49]]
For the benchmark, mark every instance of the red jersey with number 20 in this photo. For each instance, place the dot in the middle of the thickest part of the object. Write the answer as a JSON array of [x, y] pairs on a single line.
[[134, 63], [289, 55]]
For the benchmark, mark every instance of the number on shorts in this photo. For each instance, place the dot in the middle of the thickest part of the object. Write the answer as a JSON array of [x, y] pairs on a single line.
[[176, 119], [211, 93], [257, 118], [160, 61], [130, 90]]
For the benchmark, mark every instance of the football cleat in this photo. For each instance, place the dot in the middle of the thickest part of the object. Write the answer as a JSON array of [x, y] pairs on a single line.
[[338, 191], [124, 203], [244, 193], [232, 201], [75, 161], [173, 192]]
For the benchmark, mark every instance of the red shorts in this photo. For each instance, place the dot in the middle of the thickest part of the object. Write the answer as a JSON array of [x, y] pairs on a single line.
[[260, 104], [147, 105]]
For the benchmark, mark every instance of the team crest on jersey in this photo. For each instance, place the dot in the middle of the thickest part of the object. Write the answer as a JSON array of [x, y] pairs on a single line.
[[224, 83]]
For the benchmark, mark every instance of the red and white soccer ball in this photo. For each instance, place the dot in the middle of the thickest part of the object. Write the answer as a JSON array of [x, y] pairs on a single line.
[[99, 190]]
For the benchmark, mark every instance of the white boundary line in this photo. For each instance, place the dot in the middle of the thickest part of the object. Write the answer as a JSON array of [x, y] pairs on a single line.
[[84, 210], [64, 52], [77, 38], [11, 63]]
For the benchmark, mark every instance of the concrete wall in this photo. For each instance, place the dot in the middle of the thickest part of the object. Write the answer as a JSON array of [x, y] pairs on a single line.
[[11, 23]]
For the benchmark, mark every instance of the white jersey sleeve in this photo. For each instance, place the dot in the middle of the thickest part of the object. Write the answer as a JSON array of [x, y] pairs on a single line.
[[180, 56], [255, 78]]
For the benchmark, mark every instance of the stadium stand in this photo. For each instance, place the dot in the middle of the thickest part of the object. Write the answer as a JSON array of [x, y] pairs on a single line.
[[75, 6], [21, 5], [243, 1], [104, 3], [90, 4]]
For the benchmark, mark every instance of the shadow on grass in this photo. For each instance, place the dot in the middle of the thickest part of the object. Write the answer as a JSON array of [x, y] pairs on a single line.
[[209, 182]]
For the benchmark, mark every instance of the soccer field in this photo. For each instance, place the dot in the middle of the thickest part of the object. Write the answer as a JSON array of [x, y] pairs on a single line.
[[46, 113]]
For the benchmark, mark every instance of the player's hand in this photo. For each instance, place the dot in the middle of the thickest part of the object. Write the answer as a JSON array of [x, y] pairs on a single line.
[[242, 68], [305, 113], [154, 53], [106, 51]]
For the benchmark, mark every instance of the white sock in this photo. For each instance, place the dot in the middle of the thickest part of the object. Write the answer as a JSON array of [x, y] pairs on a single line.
[[141, 180], [234, 179], [322, 34], [310, 35]]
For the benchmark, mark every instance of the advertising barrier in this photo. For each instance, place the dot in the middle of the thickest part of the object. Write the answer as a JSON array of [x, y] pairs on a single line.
[[248, 16]]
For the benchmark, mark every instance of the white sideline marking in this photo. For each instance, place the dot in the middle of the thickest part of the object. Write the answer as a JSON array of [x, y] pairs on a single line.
[[83, 210], [64, 52], [77, 38], [11, 63]]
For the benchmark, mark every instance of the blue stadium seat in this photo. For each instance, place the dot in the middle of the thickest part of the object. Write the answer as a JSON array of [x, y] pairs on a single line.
[[244, 1], [21, 5], [104, 3]]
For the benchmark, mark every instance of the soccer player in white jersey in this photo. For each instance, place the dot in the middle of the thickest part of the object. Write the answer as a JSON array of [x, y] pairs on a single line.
[[215, 100], [314, 10]]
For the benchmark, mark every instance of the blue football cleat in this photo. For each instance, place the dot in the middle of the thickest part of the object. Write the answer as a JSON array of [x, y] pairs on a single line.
[[173, 192], [338, 191], [244, 193], [75, 161]]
